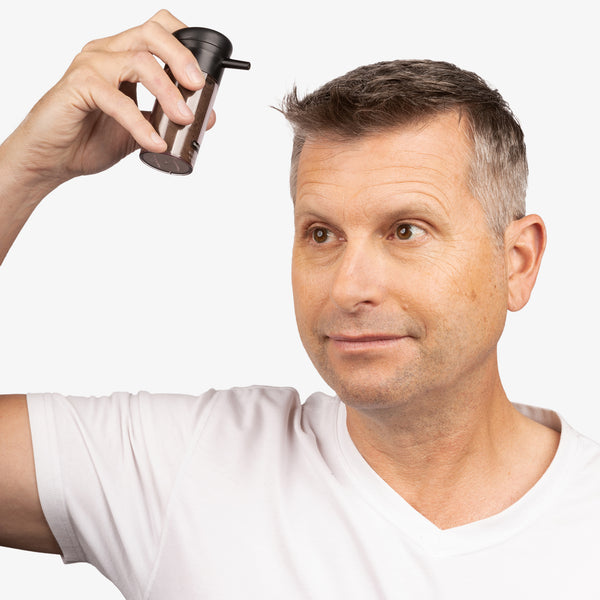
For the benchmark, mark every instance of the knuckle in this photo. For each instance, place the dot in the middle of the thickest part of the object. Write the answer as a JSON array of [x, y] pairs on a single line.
[[162, 13], [88, 79], [143, 58], [167, 90], [86, 64], [90, 47], [150, 28], [157, 82], [81, 71]]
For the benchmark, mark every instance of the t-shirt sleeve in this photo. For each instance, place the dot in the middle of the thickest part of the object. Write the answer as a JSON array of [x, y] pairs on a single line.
[[105, 468]]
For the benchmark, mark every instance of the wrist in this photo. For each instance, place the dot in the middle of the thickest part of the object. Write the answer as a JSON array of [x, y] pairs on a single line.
[[23, 184], [22, 188]]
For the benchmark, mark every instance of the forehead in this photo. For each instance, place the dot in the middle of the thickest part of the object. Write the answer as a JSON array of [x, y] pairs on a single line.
[[429, 159]]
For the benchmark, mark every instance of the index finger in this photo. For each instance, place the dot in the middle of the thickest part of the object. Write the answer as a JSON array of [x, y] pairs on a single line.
[[168, 21], [155, 36], [189, 71]]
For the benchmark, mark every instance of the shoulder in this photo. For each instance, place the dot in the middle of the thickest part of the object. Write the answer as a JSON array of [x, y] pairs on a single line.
[[256, 407], [585, 460], [268, 422], [243, 407], [577, 460], [577, 478]]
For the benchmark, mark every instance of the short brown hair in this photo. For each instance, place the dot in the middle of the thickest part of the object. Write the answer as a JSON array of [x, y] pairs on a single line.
[[374, 98]]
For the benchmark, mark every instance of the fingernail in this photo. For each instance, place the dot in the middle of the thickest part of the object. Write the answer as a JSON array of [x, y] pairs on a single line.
[[195, 74], [157, 139], [185, 110]]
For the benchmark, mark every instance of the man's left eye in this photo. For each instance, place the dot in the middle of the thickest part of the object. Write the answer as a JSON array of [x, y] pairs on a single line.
[[406, 231], [320, 235]]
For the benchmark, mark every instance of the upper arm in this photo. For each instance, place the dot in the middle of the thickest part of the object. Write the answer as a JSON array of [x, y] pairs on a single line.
[[22, 522]]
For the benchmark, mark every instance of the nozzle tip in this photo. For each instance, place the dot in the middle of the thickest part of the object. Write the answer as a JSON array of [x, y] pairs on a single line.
[[231, 63]]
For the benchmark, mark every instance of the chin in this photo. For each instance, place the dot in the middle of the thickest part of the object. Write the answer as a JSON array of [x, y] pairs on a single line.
[[373, 390]]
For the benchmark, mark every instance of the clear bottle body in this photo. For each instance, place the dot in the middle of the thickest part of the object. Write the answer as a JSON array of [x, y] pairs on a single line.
[[183, 142]]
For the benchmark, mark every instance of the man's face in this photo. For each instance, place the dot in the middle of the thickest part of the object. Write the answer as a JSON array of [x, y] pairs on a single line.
[[399, 284]]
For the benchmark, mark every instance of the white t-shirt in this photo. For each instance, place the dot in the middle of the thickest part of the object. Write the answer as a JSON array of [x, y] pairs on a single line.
[[248, 493]]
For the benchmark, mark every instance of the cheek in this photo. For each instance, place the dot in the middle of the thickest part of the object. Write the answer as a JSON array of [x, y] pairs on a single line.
[[457, 288], [307, 292], [486, 280], [481, 298]]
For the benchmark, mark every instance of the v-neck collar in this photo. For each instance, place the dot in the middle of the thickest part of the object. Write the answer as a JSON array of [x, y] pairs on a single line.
[[472, 536]]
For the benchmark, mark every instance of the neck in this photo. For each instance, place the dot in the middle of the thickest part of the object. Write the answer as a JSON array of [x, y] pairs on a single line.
[[455, 457]]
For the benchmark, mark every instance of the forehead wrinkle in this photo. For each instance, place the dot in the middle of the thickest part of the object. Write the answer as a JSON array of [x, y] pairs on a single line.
[[395, 194], [441, 180], [431, 155], [450, 175], [327, 154], [411, 203], [402, 167], [313, 188], [318, 182]]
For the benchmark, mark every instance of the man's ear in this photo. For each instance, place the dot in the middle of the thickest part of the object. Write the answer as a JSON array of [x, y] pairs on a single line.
[[524, 244]]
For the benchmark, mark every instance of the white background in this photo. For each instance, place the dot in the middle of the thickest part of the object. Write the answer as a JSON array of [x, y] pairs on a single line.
[[136, 280]]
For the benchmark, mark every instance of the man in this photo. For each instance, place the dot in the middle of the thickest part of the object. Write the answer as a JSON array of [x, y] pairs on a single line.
[[421, 479]]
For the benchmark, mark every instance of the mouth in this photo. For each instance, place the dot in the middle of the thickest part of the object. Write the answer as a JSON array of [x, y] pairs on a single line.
[[364, 342]]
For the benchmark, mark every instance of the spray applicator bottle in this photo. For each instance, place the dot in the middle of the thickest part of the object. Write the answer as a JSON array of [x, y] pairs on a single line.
[[212, 51]]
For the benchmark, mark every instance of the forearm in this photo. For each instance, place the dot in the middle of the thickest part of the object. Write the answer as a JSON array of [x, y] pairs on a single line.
[[21, 190]]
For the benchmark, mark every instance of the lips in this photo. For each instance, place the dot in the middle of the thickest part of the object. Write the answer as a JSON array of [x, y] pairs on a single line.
[[359, 338], [364, 341]]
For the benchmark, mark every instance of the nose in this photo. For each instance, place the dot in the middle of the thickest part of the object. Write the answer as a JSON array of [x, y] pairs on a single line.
[[358, 279]]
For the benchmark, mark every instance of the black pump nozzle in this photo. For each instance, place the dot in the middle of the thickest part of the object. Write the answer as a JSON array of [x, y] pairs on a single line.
[[211, 49]]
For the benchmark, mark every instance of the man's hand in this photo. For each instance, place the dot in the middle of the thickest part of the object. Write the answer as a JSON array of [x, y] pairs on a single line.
[[90, 119]]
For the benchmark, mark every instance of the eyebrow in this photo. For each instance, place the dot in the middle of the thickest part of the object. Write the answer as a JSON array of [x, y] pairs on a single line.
[[412, 209]]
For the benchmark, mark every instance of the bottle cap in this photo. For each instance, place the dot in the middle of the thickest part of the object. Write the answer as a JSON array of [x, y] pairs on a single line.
[[211, 49]]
